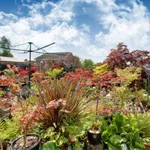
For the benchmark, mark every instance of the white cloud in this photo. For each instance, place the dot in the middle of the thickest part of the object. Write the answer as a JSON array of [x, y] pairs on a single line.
[[48, 22], [7, 18], [132, 28], [85, 27]]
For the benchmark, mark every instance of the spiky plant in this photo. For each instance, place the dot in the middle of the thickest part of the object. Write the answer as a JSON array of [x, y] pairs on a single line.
[[56, 101]]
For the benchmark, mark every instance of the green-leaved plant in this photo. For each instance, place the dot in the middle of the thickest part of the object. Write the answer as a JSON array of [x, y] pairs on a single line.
[[122, 130], [55, 73], [9, 129]]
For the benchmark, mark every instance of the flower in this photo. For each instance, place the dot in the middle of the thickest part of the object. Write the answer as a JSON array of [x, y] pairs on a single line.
[[53, 104]]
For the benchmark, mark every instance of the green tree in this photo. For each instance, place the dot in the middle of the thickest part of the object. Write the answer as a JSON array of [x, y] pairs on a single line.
[[5, 47], [77, 63], [88, 63]]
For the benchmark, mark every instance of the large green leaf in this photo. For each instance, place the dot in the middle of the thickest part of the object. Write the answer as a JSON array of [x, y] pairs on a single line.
[[113, 147], [49, 146], [116, 139]]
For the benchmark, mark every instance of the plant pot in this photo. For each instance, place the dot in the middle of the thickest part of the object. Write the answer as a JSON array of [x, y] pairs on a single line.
[[33, 142], [147, 146], [94, 137], [108, 118]]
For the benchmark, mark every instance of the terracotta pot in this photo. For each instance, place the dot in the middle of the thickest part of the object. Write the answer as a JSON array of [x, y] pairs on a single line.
[[147, 146]]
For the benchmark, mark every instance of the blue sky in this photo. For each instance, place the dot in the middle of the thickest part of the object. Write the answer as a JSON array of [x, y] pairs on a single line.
[[87, 28]]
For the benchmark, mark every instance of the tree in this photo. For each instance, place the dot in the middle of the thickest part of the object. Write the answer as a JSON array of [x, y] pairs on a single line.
[[122, 58], [76, 62], [118, 58], [5, 47], [88, 63]]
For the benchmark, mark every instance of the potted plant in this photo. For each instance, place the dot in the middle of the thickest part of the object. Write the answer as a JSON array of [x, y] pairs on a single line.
[[26, 141], [23, 111], [94, 135], [32, 142], [57, 105], [147, 143], [94, 132]]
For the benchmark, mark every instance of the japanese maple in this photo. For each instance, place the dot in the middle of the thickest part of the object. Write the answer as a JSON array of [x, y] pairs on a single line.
[[121, 57]]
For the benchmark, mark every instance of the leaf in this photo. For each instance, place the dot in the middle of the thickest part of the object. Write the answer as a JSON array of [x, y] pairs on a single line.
[[69, 148], [139, 145], [62, 140], [116, 139], [50, 146], [113, 147]]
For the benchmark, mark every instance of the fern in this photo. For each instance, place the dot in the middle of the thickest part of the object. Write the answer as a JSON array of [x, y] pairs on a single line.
[[9, 129]]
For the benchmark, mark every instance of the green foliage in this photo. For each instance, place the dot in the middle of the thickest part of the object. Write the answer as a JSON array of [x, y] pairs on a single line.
[[59, 105], [2, 93], [55, 73], [122, 129], [146, 84], [9, 129], [71, 133], [129, 74], [143, 96], [146, 140], [8, 72], [5, 47], [88, 63], [49, 146], [52, 146], [101, 69], [6, 53], [122, 96], [76, 63], [143, 123]]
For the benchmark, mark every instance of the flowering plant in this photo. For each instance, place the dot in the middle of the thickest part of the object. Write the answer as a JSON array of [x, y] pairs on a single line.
[[56, 102]]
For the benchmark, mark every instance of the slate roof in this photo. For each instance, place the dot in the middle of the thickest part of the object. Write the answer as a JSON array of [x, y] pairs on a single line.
[[48, 55]]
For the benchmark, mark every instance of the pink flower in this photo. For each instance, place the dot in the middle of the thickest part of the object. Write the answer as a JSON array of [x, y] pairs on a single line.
[[53, 104]]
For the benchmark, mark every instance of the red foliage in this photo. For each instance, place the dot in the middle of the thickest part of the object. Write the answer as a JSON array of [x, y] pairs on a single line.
[[23, 71], [87, 78], [110, 111], [139, 57], [56, 67], [47, 114], [79, 75], [5, 80], [106, 80], [33, 68], [118, 57], [121, 57]]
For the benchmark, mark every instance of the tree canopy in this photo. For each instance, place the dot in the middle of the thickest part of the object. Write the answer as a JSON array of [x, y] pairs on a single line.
[[88, 63], [121, 57], [5, 47]]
